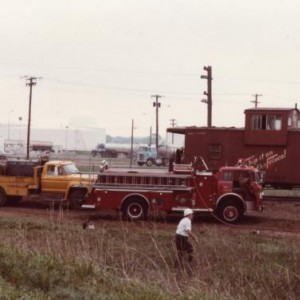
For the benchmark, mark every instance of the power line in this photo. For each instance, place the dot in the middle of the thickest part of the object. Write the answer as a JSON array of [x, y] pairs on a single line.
[[116, 89]]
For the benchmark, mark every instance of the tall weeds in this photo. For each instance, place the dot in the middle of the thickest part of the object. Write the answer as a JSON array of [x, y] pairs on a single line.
[[55, 259]]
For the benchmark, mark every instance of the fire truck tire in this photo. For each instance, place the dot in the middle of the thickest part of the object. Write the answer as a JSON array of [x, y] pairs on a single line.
[[149, 163], [76, 199], [134, 210], [3, 198], [230, 211]]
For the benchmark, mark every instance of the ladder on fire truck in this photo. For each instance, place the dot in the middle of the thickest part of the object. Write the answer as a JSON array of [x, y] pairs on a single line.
[[180, 178]]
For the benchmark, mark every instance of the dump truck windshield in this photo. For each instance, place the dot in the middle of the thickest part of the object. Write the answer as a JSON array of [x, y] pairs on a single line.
[[70, 169]]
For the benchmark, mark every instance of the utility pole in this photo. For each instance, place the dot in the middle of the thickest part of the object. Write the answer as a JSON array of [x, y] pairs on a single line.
[[30, 81], [208, 93], [256, 99], [156, 104], [173, 124], [20, 129], [8, 124], [150, 137], [66, 127], [131, 143]]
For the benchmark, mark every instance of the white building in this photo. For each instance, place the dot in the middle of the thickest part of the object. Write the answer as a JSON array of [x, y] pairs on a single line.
[[66, 138]]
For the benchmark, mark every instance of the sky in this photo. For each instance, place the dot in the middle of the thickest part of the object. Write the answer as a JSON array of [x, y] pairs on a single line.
[[100, 62]]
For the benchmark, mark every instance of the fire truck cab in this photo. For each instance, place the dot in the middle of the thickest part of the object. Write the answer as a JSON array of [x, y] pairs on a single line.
[[228, 193]]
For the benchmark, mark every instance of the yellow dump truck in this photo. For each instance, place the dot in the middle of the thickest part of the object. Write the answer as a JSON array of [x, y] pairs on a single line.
[[51, 181]]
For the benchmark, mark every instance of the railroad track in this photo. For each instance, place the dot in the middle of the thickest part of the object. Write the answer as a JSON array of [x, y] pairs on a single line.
[[281, 198]]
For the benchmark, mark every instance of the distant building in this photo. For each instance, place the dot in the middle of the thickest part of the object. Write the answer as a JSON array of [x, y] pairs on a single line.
[[67, 138]]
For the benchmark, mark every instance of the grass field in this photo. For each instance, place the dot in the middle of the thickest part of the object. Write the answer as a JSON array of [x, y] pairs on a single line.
[[54, 258]]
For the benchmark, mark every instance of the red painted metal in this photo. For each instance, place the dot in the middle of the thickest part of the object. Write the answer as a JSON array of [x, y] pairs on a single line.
[[136, 192], [270, 141]]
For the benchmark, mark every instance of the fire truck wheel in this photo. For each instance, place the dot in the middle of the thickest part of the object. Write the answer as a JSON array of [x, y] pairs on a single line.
[[76, 198], [3, 198], [149, 162], [134, 210], [230, 212]]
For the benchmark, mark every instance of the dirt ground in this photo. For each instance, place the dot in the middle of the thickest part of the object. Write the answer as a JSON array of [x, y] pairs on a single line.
[[278, 218]]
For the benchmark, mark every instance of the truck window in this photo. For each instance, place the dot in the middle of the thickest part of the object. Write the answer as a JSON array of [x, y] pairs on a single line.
[[244, 178], [70, 169], [227, 176], [258, 176], [60, 171], [52, 170], [143, 149]]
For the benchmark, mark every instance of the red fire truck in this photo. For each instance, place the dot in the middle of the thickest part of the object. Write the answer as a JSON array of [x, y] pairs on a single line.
[[228, 193]]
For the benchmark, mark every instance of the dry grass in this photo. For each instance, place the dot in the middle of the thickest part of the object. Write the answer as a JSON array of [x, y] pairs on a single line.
[[54, 259]]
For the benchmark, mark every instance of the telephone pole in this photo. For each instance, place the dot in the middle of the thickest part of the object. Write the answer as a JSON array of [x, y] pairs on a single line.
[[255, 101], [131, 148], [173, 124], [156, 104], [30, 81], [208, 93]]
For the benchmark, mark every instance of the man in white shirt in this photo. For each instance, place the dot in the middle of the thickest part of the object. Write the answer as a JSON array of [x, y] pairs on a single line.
[[183, 232]]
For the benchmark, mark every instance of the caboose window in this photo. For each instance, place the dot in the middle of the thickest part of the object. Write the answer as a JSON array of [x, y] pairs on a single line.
[[256, 122], [214, 151], [266, 122], [273, 122]]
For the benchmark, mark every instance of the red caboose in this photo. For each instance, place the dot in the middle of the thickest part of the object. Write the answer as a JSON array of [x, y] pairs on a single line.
[[270, 141]]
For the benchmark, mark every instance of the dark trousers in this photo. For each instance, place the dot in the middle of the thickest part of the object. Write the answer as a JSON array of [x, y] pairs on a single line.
[[183, 246]]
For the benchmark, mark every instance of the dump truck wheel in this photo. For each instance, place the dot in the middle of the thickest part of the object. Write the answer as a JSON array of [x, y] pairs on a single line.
[[3, 198], [134, 210], [230, 212], [76, 199]]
